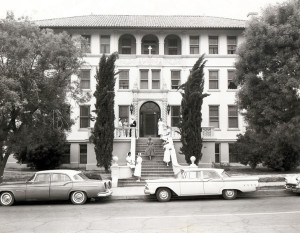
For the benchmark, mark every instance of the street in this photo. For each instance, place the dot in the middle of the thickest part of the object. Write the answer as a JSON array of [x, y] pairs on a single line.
[[250, 214]]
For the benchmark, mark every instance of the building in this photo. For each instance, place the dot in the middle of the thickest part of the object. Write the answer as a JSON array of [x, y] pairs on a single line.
[[156, 54]]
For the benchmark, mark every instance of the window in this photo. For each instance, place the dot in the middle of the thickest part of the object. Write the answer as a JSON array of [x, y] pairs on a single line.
[[86, 43], [210, 175], [175, 79], [217, 152], [104, 44], [144, 79], [155, 79], [172, 45], [175, 116], [84, 116], [150, 40], [231, 44], [194, 44], [85, 79], [124, 113], [56, 177], [232, 155], [127, 44], [83, 154], [124, 79], [214, 116], [213, 44], [42, 178], [233, 121], [213, 79], [66, 154], [231, 84]]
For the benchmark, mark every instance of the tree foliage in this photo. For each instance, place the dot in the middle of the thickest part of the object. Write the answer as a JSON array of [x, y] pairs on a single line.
[[191, 116], [268, 72], [35, 70], [103, 133]]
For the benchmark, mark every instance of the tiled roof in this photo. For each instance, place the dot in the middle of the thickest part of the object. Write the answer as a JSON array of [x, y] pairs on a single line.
[[142, 21]]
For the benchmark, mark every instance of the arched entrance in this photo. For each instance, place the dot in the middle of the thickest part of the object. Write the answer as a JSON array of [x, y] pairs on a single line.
[[149, 115]]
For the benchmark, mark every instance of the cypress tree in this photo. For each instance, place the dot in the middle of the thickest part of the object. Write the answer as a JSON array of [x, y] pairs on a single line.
[[191, 116], [103, 133]]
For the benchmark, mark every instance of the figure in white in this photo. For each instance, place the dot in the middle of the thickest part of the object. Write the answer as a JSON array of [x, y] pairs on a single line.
[[161, 126], [125, 127], [120, 125], [167, 153], [130, 162], [138, 167]]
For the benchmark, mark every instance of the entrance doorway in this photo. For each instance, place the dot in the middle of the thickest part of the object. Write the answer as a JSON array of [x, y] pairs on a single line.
[[149, 115]]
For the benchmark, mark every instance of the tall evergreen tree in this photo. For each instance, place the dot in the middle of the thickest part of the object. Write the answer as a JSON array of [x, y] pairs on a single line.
[[191, 116], [103, 133], [268, 72]]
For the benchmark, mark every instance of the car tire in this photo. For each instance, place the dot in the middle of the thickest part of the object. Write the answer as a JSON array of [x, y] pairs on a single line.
[[7, 199], [78, 197], [229, 194], [163, 194]]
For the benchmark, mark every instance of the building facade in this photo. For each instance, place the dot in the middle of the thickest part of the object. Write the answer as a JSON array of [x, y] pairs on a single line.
[[156, 54]]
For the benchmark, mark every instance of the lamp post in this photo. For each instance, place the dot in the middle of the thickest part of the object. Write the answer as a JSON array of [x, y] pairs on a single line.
[[168, 109]]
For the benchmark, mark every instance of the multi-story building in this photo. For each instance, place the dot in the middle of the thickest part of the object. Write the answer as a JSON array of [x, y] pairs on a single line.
[[156, 54]]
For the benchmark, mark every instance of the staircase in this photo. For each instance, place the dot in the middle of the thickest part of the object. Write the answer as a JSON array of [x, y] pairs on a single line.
[[151, 169]]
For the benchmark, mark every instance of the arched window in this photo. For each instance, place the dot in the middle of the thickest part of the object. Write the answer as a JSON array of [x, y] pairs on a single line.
[[150, 40], [172, 45], [127, 44]]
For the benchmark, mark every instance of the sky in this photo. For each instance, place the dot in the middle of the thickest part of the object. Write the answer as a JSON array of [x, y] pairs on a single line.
[[47, 9]]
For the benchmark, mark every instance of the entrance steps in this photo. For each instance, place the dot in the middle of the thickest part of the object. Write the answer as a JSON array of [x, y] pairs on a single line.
[[151, 169]]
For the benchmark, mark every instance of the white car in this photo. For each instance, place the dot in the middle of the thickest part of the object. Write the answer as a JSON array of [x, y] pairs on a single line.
[[201, 181], [293, 183]]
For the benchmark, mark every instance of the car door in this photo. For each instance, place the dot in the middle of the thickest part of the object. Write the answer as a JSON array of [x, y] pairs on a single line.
[[60, 187], [191, 184], [38, 189], [212, 182]]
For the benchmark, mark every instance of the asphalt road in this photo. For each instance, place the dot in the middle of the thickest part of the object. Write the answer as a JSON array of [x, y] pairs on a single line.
[[259, 215]]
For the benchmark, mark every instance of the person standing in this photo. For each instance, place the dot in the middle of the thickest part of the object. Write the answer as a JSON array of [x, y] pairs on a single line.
[[125, 127], [120, 125], [167, 153], [129, 161], [161, 126], [132, 124], [138, 167], [150, 148]]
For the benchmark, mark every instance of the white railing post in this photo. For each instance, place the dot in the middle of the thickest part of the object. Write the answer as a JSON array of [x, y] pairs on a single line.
[[132, 147]]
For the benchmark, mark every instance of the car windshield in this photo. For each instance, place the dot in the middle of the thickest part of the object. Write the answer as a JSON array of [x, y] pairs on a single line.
[[31, 178], [80, 176], [225, 174]]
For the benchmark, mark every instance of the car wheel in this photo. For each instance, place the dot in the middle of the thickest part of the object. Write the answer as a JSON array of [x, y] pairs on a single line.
[[163, 194], [78, 197], [7, 199], [229, 194]]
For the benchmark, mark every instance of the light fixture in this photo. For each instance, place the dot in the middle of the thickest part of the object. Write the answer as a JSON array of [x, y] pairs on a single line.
[[131, 108], [168, 109]]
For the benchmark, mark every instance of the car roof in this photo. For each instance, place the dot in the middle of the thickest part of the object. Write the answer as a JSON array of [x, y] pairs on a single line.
[[63, 171], [219, 170]]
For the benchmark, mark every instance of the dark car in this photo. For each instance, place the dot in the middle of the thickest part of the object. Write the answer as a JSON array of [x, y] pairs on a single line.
[[55, 185]]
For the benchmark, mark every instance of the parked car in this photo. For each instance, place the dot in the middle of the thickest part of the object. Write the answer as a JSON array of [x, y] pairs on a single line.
[[55, 185], [292, 183], [201, 181]]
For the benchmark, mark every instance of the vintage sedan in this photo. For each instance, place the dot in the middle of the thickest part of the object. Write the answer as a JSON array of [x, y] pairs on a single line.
[[292, 183], [55, 185], [200, 181]]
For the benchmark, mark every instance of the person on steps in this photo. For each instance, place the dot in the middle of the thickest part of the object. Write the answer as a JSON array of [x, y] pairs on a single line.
[[150, 148]]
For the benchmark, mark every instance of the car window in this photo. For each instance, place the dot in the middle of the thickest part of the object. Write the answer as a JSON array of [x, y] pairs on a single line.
[[80, 176], [192, 175], [210, 175], [60, 178], [42, 178]]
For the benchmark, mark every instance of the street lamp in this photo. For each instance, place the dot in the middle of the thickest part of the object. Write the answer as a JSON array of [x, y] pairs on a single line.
[[168, 109], [131, 108]]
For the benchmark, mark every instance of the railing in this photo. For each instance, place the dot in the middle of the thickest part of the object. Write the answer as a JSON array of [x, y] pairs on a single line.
[[207, 132], [124, 132]]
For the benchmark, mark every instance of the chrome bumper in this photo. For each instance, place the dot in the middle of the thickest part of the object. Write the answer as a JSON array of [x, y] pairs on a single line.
[[105, 194], [293, 189]]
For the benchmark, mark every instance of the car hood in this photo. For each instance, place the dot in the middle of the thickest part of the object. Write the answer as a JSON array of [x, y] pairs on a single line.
[[292, 179]]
